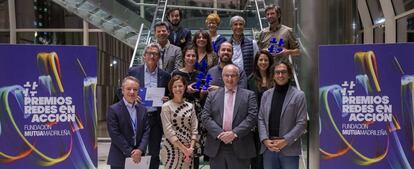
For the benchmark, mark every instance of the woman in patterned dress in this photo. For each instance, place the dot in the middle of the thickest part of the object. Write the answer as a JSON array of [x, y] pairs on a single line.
[[180, 124], [193, 95]]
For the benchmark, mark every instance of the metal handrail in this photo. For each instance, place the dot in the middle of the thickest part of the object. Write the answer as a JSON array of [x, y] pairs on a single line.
[[155, 18], [163, 11], [258, 14], [136, 45], [189, 7], [294, 73], [156, 13]]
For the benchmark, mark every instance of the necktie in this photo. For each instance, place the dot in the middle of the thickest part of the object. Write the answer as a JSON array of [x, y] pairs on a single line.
[[134, 125], [228, 111], [162, 52]]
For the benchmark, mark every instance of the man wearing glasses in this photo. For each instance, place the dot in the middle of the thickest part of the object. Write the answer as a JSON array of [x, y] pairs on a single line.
[[281, 121], [229, 115], [152, 77]]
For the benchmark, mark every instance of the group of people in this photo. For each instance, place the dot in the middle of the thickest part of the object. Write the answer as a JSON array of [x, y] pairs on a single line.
[[211, 107]]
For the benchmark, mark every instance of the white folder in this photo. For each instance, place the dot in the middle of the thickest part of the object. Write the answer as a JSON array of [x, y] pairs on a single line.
[[143, 164]]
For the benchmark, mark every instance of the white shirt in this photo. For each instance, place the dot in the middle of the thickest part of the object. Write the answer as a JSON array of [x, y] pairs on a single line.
[[133, 114], [150, 78], [237, 58]]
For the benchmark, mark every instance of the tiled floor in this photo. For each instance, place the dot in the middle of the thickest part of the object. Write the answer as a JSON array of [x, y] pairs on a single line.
[[103, 149]]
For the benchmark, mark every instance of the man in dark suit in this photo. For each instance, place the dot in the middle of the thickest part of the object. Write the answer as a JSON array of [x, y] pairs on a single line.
[[151, 77], [179, 36], [282, 120], [127, 126], [229, 115]]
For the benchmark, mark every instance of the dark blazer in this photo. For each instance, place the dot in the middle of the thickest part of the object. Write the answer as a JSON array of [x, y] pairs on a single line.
[[183, 38], [138, 72], [244, 119], [121, 132], [216, 44], [292, 119]]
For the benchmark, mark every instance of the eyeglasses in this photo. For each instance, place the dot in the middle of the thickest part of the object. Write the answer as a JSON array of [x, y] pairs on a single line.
[[152, 54], [230, 75], [282, 72]]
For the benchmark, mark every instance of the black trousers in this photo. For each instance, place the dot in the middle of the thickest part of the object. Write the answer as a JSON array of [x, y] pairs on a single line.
[[257, 162], [154, 145], [113, 167]]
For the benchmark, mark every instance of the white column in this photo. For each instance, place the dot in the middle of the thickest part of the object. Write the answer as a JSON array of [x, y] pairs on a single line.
[[12, 21], [366, 21], [85, 32], [390, 31], [215, 6], [141, 9]]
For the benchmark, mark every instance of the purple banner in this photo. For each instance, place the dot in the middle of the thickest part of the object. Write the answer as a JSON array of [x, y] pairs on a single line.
[[366, 106], [48, 107]]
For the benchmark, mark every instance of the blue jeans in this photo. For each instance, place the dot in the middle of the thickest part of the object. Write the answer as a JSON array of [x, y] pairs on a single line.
[[274, 160]]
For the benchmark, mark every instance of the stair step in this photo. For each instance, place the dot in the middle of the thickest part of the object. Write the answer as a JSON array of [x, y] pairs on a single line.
[[102, 13], [93, 11], [86, 6], [79, 2]]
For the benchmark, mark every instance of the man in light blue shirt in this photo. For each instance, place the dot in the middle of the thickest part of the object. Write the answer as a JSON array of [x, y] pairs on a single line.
[[152, 76], [128, 127], [244, 49]]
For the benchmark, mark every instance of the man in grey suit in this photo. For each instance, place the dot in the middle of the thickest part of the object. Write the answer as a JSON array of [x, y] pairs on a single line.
[[170, 55], [282, 120], [229, 115]]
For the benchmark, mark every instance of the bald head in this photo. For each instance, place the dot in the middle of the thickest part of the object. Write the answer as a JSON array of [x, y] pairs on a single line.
[[231, 76]]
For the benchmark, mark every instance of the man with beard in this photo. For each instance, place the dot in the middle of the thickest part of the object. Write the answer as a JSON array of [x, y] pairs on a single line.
[[282, 121], [277, 30], [170, 54], [225, 54], [179, 36]]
